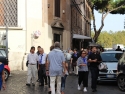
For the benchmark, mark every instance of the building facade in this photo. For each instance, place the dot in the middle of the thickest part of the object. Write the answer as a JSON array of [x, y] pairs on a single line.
[[52, 18], [81, 23], [59, 21], [22, 18]]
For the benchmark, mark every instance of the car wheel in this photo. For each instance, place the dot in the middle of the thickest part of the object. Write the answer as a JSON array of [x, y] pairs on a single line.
[[121, 83], [6, 73]]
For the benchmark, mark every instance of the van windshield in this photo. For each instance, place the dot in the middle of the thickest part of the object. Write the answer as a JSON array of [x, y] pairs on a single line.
[[111, 57]]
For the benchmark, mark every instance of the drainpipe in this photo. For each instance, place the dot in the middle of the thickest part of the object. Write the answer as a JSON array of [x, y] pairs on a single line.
[[7, 41]]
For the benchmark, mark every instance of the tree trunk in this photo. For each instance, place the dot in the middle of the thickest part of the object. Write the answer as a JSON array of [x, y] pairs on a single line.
[[97, 33], [95, 38]]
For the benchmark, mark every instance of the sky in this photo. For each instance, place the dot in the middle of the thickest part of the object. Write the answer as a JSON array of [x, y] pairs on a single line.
[[112, 22]]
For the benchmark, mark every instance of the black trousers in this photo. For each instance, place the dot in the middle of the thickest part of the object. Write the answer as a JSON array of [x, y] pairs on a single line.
[[38, 72], [83, 77], [94, 76], [49, 81], [42, 74]]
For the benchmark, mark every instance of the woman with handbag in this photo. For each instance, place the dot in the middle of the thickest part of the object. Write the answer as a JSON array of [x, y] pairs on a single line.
[[74, 58], [83, 71]]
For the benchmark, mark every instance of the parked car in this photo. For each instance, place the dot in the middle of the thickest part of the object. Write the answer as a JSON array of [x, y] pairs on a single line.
[[121, 73], [4, 60], [110, 50], [110, 58]]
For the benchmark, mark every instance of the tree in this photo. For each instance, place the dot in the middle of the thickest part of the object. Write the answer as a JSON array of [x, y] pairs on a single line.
[[105, 7], [108, 38]]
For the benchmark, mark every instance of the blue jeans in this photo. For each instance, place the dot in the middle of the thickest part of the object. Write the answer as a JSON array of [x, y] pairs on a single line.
[[63, 81]]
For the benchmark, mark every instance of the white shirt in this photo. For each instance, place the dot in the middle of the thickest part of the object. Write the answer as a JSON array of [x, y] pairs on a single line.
[[32, 58], [43, 60]]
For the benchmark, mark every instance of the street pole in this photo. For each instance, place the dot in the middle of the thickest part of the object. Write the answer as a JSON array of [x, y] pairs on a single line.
[[7, 41]]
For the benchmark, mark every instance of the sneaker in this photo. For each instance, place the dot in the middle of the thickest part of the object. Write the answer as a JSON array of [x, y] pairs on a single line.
[[27, 84], [49, 92], [67, 73], [33, 84], [79, 88], [45, 83], [85, 90], [38, 80], [41, 84], [94, 90]]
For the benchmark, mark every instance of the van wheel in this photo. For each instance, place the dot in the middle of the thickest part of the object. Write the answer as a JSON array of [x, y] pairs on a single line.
[[121, 82]]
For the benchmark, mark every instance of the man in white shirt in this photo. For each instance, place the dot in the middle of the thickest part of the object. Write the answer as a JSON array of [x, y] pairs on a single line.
[[32, 59], [42, 68]]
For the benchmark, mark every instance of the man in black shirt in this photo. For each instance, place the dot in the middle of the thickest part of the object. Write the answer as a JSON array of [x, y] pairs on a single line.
[[94, 59], [118, 49]]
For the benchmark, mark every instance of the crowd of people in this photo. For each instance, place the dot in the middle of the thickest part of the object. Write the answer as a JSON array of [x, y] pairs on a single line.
[[53, 68]]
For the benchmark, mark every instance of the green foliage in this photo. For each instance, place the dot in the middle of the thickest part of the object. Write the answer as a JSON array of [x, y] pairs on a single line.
[[2, 46], [105, 7], [109, 5], [107, 39]]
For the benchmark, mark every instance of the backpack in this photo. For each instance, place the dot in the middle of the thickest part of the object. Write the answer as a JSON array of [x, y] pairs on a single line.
[[68, 56]]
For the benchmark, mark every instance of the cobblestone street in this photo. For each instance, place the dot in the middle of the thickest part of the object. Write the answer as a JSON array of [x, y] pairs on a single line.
[[16, 85]]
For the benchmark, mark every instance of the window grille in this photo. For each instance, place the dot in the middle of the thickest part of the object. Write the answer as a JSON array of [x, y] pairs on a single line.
[[8, 13]]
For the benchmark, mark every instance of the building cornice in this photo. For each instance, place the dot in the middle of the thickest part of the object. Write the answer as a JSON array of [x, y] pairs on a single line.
[[11, 28]]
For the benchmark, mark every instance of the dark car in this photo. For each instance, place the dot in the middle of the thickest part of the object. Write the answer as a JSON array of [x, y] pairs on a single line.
[[4, 60], [121, 73]]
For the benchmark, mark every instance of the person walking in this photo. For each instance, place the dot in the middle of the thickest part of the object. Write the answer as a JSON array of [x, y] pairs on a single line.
[[74, 58], [38, 48], [49, 89], [55, 67], [83, 71], [63, 82], [94, 59], [2, 77], [32, 59], [42, 67], [118, 49], [68, 59]]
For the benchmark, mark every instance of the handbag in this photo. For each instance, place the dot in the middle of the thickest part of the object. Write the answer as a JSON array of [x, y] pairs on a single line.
[[27, 63], [102, 66], [74, 63]]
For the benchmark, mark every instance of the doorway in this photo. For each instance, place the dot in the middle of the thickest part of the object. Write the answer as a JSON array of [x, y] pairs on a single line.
[[57, 37]]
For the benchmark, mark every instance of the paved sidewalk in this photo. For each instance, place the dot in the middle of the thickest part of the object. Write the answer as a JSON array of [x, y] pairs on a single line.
[[16, 85]]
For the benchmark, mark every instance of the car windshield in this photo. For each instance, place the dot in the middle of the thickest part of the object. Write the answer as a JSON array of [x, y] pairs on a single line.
[[111, 57], [3, 52]]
